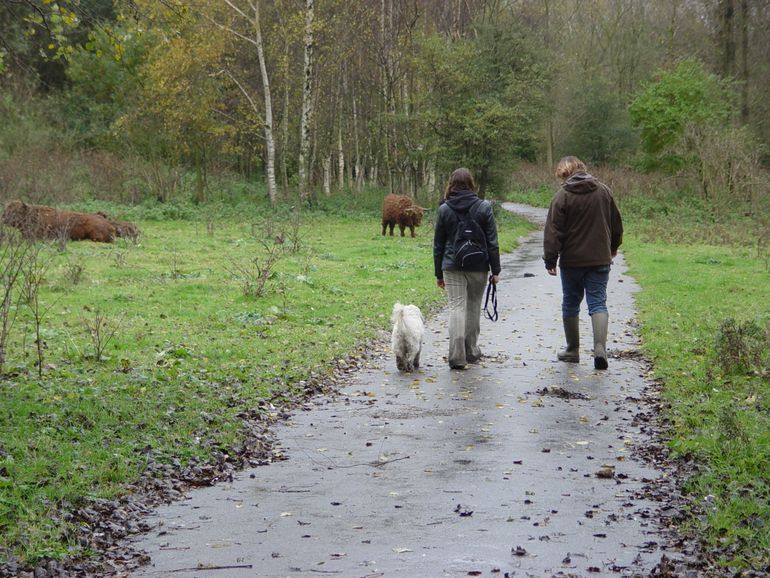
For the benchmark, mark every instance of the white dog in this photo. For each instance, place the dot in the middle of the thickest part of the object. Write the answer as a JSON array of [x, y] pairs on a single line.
[[406, 340]]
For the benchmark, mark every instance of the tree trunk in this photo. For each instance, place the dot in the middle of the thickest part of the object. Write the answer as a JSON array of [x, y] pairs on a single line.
[[386, 20], [327, 167], [744, 72], [307, 102], [359, 165], [432, 178], [672, 29], [340, 159], [201, 176], [727, 37], [285, 123], [269, 142], [549, 118]]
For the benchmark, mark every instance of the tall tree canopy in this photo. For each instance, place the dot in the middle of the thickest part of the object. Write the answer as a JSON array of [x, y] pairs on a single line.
[[329, 94]]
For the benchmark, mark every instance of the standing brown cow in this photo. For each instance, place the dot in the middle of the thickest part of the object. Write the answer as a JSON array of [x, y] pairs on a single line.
[[400, 210]]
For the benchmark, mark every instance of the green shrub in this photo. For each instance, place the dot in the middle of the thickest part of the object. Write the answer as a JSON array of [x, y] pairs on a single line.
[[743, 347], [683, 97]]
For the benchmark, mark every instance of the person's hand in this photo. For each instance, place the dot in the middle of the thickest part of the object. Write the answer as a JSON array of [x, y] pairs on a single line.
[[494, 279], [552, 271], [440, 283]]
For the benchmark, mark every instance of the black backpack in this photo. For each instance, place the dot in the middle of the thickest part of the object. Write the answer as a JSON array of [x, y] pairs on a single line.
[[470, 245]]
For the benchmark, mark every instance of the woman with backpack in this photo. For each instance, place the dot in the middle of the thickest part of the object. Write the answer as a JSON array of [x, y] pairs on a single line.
[[465, 250]]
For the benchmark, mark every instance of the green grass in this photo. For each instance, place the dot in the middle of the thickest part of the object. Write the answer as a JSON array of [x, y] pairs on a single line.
[[718, 416], [190, 350]]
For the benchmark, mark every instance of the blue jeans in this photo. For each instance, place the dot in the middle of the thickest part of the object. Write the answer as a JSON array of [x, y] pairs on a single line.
[[577, 281]]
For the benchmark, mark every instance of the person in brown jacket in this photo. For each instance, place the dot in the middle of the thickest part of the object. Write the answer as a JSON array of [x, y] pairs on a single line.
[[583, 231]]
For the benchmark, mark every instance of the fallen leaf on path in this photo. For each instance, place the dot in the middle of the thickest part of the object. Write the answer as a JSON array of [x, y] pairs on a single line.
[[606, 472]]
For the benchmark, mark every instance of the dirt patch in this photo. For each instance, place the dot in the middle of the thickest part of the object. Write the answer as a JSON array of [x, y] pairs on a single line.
[[560, 392]]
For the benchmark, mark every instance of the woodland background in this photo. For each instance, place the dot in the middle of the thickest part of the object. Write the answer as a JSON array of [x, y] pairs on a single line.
[[252, 141], [136, 100]]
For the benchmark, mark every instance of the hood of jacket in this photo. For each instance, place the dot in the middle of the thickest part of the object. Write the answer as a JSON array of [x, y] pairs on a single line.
[[462, 201], [580, 183]]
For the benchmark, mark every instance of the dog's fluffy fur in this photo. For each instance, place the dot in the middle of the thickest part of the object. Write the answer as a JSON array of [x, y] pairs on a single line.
[[406, 340]]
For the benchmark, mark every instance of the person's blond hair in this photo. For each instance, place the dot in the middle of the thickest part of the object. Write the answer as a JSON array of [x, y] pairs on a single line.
[[568, 166]]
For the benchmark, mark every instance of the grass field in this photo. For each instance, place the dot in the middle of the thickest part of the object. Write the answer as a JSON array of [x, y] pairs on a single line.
[[704, 313], [161, 344], [705, 319]]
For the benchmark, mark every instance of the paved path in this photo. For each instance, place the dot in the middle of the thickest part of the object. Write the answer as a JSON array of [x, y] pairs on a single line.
[[480, 472]]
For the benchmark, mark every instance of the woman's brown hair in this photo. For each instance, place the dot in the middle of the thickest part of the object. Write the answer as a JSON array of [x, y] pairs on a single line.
[[568, 166], [460, 180]]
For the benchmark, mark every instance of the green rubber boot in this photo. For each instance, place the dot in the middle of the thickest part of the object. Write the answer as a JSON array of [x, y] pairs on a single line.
[[572, 333], [599, 322]]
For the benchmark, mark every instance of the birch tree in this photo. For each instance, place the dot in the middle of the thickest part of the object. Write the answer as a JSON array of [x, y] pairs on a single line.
[[250, 14], [307, 101]]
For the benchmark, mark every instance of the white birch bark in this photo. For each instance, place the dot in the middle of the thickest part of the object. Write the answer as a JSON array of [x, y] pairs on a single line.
[[359, 165], [307, 101], [256, 41], [431, 177], [327, 165], [269, 140]]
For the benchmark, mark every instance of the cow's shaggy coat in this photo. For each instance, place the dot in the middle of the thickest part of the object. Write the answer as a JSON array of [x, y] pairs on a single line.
[[41, 222], [402, 211]]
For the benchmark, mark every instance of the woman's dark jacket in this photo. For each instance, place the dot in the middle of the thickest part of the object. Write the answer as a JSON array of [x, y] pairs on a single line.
[[583, 227], [446, 229]]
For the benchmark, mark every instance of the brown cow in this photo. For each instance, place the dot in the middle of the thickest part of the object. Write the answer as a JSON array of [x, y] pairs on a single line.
[[122, 228], [400, 210], [41, 222]]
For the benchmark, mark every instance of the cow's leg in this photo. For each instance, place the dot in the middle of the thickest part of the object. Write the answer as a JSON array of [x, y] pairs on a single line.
[[400, 226], [411, 228], [384, 227], [391, 228]]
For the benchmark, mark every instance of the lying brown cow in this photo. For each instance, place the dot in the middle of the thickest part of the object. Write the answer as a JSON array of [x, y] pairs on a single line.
[[40, 222], [122, 228], [400, 210]]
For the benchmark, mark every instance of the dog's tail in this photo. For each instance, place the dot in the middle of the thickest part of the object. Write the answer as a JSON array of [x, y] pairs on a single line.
[[398, 313]]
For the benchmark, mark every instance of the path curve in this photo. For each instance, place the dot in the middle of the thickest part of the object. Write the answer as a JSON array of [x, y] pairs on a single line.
[[442, 473]]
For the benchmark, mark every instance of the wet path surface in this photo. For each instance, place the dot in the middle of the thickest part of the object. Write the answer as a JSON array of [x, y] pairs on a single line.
[[519, 465]]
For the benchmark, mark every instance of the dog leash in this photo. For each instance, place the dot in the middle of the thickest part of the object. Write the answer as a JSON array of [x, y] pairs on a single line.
[[491, 292]]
